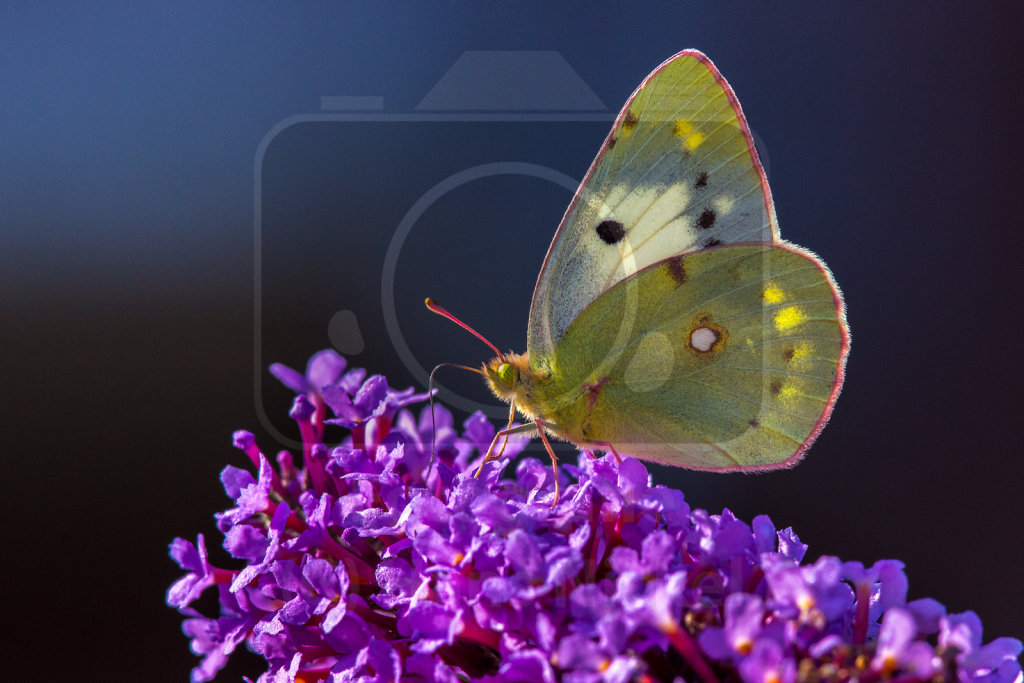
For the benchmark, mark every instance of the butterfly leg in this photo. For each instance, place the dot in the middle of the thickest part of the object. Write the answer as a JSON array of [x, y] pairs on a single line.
[[508, 426], [488, 457], [554, 461], [607, 448], [518, 429]]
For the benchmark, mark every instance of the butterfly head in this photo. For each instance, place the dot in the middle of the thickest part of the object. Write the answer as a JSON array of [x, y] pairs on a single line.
[[508, 376]]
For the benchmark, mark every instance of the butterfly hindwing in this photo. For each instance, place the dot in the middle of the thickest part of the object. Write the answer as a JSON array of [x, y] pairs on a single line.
[[670, 321], [727, 358], [678, 172]]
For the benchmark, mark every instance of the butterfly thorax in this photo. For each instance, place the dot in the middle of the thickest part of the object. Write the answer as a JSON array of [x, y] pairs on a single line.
[[537, 391]]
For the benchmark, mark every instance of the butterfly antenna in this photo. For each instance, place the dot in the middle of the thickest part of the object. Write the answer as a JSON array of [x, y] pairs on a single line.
[[433, 423], [435, 308]]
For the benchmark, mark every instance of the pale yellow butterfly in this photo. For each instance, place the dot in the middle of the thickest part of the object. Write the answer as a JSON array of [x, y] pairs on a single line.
[[669, 320]]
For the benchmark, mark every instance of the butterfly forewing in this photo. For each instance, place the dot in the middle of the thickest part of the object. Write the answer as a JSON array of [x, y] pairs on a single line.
[[677, 173]]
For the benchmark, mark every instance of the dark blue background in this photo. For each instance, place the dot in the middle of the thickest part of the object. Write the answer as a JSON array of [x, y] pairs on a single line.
[[126, 265]]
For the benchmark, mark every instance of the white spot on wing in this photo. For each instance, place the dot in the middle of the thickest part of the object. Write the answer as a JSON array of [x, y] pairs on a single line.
[[655, 228], [723, 205], [663, 207], [703, 338], [609, 206]]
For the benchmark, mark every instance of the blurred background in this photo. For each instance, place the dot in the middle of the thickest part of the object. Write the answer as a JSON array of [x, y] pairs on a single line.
[[190, 192]]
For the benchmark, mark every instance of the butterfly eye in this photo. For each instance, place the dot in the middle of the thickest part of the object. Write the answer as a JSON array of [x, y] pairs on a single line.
[[507, 374]]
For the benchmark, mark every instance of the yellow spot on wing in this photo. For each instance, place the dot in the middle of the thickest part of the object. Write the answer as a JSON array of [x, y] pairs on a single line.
[[628, 123], [788, 392], [802, 356], [802, 350], [772, 294], [793, 393], [682, 128], [691, 139], [789, 317]]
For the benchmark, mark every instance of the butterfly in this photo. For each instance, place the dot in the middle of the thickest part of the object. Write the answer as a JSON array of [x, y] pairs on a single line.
[[670, 321]]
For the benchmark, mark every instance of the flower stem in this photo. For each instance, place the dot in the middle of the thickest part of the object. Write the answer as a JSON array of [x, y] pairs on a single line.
[[684, 643]]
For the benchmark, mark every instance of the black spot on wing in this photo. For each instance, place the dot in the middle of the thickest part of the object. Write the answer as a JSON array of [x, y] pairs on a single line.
[[712, 243], [610, 232], [702, 180], [788, 354], [707, 219], [754, 422]]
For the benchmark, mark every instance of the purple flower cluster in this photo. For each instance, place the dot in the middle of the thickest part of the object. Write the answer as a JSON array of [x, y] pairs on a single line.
[[360, 565]]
